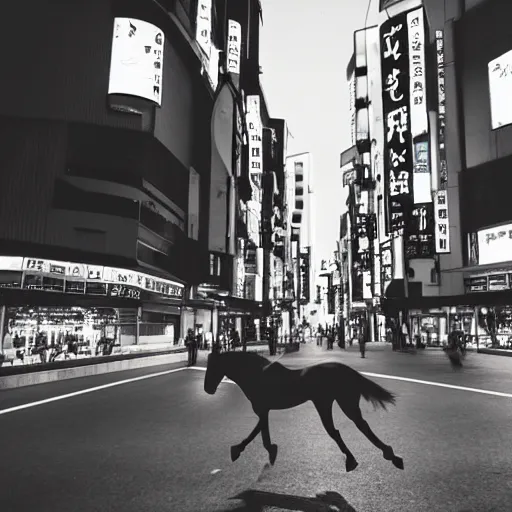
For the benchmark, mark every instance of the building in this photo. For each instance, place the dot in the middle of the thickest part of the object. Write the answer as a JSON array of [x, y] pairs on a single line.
[[301, 209], [428, 134], [121, 179]]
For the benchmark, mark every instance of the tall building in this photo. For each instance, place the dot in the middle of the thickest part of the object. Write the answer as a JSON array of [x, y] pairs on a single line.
[[429, 117], [125, 182], [300, 194]]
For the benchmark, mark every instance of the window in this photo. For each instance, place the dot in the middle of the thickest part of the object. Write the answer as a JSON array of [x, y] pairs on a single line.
[[299, 191], [299, 177], [214, 265], [299, 205]]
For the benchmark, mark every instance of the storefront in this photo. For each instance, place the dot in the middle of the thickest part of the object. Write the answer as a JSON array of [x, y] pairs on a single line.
[[52, 310]]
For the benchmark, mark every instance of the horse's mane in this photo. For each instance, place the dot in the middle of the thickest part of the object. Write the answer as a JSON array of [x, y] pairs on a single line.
[[263, 361]]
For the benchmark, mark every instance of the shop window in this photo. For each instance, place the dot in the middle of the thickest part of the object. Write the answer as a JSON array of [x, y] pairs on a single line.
[[10, 279], [75, 286]]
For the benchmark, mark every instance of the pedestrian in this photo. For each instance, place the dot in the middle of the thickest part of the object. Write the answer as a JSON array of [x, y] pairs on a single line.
[[190, 342], [363, 335]]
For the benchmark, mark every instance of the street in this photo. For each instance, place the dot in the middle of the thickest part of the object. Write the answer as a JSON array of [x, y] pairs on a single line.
[[161, 444]]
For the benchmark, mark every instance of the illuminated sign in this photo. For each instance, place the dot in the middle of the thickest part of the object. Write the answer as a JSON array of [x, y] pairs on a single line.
[[442, 222], [495, 244], [398, 174], [441, 106], [500, 87], [234, 46], [204, 26], [419, 232], [137, 59], [255, 132], [417, 82], [92, 273]]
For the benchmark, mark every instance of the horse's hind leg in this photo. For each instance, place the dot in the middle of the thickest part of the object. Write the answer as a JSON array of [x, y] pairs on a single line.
[[324, 409], [353, 412], [265, 434]]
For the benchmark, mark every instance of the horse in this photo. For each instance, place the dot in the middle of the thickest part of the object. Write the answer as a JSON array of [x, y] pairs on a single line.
[[271, 386]]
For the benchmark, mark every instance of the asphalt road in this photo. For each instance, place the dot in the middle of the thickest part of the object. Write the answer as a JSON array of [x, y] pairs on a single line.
[[161, 444]]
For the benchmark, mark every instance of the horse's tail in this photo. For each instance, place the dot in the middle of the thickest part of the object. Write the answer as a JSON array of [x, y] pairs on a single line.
[[375, 393]]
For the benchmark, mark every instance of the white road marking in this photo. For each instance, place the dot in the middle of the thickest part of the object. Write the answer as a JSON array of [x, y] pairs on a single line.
[[407, 379], [89, 390], [215, 471], [199, 368]]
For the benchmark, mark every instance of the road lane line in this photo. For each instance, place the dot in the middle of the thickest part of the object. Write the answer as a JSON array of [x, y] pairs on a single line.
[[228, 381], [407, 379], [89, 390]]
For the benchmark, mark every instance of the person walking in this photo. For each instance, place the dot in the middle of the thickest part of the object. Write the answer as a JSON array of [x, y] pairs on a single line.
[[191, 343], [363, 336]]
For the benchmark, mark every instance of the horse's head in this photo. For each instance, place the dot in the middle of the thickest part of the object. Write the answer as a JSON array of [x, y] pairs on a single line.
[[214, 373]]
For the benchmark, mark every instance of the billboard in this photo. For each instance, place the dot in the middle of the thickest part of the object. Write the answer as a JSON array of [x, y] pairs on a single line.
[[495, 244], [419, 232], [136, 63], [398, 179], [500, 87]]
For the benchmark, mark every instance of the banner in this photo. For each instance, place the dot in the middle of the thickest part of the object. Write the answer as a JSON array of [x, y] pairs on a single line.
[[442, 221], [398, 179], [204, 26], [234, 47]]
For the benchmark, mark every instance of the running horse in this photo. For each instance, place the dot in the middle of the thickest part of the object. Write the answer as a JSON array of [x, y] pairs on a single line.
[[271, 386]]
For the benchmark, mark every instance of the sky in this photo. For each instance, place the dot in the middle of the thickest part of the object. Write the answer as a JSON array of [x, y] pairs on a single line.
[[305, 47]]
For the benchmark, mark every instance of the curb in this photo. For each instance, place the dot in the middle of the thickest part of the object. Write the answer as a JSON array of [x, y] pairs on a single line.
[[45, 376]]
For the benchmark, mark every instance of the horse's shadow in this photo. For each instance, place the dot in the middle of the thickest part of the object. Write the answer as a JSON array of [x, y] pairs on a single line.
[[258, 501]]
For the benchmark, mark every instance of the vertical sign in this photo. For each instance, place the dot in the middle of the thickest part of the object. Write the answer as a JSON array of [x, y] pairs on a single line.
[[422, 183], [234, 46], [442, 229], [204, 25], [419, 232], [416, 36], [395, 100], [441, 101], [442, 219]]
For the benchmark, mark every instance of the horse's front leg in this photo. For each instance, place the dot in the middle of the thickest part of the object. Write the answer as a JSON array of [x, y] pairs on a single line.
[[265, 434], [237, 449]]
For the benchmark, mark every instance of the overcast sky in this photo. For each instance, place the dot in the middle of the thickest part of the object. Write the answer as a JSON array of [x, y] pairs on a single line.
[[304, 51]]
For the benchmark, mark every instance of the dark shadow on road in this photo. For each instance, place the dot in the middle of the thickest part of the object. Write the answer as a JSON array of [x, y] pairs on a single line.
[[258, 501]]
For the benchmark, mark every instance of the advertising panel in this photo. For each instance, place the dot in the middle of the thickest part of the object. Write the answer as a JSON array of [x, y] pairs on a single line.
[[422, 181], [234, 47], [500, 87], [495, 244], [136, 62], [442, 222], [398, 179], [419, 233]]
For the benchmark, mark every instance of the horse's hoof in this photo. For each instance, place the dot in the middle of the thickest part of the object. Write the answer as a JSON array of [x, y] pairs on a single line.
[[351, 464], [272, 454], [398, 462], [235, 452]]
